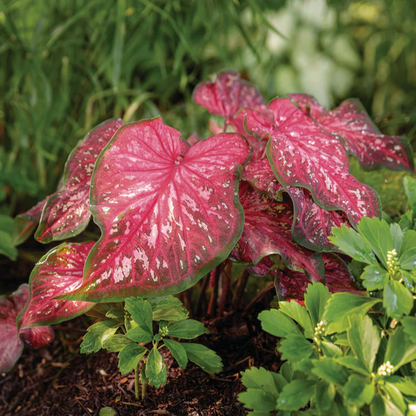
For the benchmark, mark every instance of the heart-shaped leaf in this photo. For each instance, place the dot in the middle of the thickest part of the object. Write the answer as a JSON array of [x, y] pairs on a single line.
[[302, 154], [267, 231], [11, 345], [167, 217], [292, 285], [66, 212], [350, 121], [58, 272]]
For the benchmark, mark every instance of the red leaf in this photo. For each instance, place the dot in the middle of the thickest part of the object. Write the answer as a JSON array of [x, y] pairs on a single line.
[[66, 213], [262, 268], [350, 120], [25, 224], [10, 343], [267, 231], [58, 272], [312, 224], [302, 154], [37, 337], [167, 218], [292, 285], [228, 94]]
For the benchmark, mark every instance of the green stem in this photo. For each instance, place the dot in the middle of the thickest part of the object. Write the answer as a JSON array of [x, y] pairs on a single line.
[[144, 381], [136, 383]]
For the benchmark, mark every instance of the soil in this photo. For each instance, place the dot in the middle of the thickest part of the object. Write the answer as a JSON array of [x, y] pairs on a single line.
[[57, 380]]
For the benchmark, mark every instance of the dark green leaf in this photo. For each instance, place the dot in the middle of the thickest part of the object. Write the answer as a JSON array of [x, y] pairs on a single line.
[[397, 235], [203, 357], [377, 234], [353, 244], [400, 350], [116, 342], [329, 370], [116, 314], [299, 314], [156, 371], [178, 352], [277, 323], [187, 329], [374, 277], [295, 348], [141, 312], [406, 221], [296, 395], [324, 396], [410, 189], [354, 364], [316, 298], [343, 305], [364, 339], [96, 335], [139, 334], [258, 400], [357, 391], [377, 407], [408, 251], [409, 327], [397, 300], [129, 357]]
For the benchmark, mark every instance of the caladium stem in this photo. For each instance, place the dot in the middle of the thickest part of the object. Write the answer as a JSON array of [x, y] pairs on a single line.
[[144, 381], [136, 383]]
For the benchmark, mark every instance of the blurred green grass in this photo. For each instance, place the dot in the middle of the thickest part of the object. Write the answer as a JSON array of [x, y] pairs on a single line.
[[67, 65]]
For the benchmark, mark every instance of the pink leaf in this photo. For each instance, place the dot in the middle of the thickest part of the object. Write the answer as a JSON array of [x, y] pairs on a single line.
[[267, 231], [66, 212], [11, 345], [350, 121], [58, 272], [228, 94], [167, 218], [302, 154], [292, 285], [311, 224], [25, 224]]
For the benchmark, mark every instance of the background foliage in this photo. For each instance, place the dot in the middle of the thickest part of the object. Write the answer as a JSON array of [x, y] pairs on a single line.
[[68, 65]]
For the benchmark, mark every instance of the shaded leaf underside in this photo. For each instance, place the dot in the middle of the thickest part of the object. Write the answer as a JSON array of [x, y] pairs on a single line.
[[60, 271], [168, 215]]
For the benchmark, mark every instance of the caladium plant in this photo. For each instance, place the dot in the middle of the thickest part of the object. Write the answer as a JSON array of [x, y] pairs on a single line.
[[171, 210]]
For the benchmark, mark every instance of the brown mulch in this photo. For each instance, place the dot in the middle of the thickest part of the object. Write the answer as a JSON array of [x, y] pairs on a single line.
[[58, 380]]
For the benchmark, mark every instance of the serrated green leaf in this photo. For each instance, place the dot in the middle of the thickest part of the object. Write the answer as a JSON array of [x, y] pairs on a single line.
[[258, 400], [397, 235], [116, 342], [295, 348], [142, 313], [400, 350], [330, 350], [352, 244], [316, 298], [96, 335], [374, 277], [130, 356], [364, 339], [406, 221], [329, 370], [410, 190], [354, 364], [156, 371], [187, 329], [395, 396], [377, 407], [357, 392], [299, 314], [405, 385], [409, 327], [296, 395], [168, 308], [203, 357], [397, 300], [260, 378], [324, 396], [107, 411], [407, 252], [116, 314], [287, 370], [139, 334], [178, 352], [343, 305], [391, 409], [377, 233], [277, 323]]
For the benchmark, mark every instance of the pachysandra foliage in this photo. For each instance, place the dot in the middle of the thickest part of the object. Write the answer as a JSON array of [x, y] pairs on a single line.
[[171, 210]]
